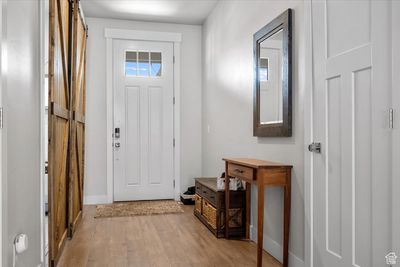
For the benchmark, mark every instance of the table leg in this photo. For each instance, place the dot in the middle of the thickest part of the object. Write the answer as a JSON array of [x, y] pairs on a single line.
[[260, 224], [286, 223], [248, 207], [227, 201]]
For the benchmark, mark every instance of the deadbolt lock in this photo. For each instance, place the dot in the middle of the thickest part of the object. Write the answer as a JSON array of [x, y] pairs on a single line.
[[315, 147], [117, 133]]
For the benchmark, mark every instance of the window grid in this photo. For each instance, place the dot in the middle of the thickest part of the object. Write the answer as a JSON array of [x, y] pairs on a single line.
[[143, 64]]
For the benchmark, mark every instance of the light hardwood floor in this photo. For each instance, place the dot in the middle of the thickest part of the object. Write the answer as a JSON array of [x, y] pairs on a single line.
[[159, 240]]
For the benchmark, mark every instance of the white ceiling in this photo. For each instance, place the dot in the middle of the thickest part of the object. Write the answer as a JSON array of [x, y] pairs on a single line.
[[171, 11]]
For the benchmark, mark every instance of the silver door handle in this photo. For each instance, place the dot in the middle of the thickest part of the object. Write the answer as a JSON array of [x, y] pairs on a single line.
[[117, 144], [315, 147]]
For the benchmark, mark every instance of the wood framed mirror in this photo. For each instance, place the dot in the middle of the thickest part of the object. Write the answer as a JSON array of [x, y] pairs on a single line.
[[272, 98]]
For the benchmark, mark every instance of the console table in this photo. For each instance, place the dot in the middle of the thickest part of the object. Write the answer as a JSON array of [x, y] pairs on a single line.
[[261, 173]]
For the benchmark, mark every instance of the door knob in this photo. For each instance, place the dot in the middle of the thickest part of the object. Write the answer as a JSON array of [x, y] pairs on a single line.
[[117, 144], [315, 147]]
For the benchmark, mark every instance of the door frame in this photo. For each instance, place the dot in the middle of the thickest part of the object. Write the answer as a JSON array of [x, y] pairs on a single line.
[[122, 34], [396, 130], [309, 136], [43, 104], [3, 155]]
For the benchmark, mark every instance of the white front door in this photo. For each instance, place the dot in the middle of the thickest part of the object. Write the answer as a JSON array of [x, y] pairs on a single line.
[[351, 100], [271, 79], [143, 120]]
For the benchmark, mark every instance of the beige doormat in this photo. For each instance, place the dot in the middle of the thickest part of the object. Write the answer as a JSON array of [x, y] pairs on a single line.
[[135, 208]]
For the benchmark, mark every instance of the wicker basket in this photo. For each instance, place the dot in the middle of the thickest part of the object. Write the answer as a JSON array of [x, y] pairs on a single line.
[[235, 218], [198, 203], [210, 213]]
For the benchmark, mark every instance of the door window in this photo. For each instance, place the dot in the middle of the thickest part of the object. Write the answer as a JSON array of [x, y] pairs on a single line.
[[143, 64]]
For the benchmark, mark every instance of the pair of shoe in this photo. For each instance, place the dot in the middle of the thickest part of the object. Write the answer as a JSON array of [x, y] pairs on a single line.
[[191, 191]]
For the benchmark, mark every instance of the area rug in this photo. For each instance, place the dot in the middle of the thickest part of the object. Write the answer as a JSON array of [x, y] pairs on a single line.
[[136, 208]]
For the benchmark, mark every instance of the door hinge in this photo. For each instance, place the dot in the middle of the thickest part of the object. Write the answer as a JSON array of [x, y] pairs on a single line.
[[174, 183], [391, 118], [173, 142], [173, 100], [1, 118]]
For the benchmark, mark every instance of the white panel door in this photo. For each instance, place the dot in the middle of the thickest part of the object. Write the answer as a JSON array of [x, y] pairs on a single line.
[[271, 81], [143, 116], [352, 98]]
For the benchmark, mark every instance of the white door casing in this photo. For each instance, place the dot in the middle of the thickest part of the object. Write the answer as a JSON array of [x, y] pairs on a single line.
[[351, 100], [396, 123], [143, 111], [1, 132]]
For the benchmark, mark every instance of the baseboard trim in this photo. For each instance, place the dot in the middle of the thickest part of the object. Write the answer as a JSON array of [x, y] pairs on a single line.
[[275, 249], [94, 200]]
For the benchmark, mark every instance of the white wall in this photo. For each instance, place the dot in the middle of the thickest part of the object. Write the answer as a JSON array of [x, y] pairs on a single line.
[[21, 132], [228, 109], [191, 83]]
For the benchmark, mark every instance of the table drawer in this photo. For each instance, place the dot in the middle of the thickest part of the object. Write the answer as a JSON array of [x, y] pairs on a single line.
[[209, 194], [199, 187], [239, 171]]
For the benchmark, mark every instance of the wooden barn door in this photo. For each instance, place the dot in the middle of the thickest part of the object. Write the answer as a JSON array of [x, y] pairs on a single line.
[[59, 105], [77, 131]]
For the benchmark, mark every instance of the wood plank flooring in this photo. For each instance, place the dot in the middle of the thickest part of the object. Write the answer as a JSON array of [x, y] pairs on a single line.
[[158, 240]]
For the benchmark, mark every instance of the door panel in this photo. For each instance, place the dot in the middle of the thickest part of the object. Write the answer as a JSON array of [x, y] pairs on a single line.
[[133, 131], [357, 32], [58, 126], [352, 70], [77, 130], [155, 134], [143, 111], [363, 166], [334, 146]]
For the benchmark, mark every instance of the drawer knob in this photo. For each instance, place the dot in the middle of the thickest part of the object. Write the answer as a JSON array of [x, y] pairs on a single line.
[[238, 171]]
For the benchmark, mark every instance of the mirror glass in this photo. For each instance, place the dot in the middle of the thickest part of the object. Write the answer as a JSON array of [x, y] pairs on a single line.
[[271, 78]]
